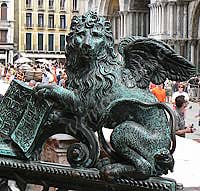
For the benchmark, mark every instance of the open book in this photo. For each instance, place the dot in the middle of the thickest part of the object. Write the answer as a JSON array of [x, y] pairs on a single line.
[[22, 116]]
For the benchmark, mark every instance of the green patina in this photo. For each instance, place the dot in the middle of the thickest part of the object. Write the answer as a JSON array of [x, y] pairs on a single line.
[[22, 117], [102, 92]]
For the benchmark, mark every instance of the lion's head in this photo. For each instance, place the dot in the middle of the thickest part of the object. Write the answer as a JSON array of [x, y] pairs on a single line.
[[90, 40], [90, 54]]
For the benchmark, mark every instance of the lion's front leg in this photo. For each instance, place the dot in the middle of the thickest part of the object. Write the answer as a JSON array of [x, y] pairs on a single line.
[[60, 96]]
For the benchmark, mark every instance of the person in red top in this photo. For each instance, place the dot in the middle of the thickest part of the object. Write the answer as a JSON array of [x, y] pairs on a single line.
[[159, 92]]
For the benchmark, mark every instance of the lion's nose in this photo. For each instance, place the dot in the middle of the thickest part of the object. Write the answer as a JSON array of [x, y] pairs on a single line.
[[86, 46], [87, 42]]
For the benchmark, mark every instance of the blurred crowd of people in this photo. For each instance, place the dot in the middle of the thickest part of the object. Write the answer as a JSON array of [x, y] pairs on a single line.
[[54, 73], [33, 74], [168, 91], [179, 94], [174, 92]]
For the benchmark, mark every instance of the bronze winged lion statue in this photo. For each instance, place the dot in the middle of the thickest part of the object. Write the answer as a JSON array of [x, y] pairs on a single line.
[[115, 95], [103, 92]]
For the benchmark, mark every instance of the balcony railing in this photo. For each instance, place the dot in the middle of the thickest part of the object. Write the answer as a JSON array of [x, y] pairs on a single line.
[[28, 6], [40, 7], [63, 27], [51, 8], [40, 25], [51, 26], [29, 25], [4, 24]]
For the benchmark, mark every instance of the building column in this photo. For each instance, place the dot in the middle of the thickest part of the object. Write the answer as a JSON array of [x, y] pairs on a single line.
[[133, 23], [130, 23], [159, 18], [142, 24], [113, 27], [158, 26], [118, 26], [136, 23], [185, 21], [121, 25], [179, 20], [198, 56], [163, 8], [155, 18], [193, 52], [151, 19], [171, 13], [147, 24], [125, 23]]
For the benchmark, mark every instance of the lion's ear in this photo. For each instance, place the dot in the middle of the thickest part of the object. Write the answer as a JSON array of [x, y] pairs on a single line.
[[153, 60]]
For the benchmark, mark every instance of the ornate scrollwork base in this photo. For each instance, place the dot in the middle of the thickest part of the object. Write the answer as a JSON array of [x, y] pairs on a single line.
[[64, 178]]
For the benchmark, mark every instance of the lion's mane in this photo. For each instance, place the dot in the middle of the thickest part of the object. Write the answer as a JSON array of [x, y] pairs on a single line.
[[97, 78]]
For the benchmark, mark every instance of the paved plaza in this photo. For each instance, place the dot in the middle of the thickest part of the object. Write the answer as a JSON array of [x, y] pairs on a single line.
[[187, 155], [3, 87], [190, 118]]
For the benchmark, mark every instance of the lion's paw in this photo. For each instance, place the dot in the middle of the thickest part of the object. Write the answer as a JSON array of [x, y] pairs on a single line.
[[119, 170]]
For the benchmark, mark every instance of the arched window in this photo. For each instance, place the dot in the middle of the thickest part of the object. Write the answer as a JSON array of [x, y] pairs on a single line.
[[3, 11]]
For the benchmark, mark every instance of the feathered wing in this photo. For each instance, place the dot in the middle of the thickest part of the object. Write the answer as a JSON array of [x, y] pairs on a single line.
[[150, 60]]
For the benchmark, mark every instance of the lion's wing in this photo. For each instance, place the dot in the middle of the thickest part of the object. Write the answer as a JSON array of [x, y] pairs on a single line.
[[150, 60]]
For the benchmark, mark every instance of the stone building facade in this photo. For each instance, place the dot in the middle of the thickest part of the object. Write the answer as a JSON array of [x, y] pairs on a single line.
[[176, 22], [127, 16], [41, 27], [6, 31]]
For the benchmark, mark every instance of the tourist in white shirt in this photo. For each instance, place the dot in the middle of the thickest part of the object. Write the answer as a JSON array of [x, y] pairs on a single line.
[[180, 92], [47, 77]]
